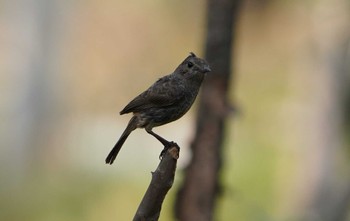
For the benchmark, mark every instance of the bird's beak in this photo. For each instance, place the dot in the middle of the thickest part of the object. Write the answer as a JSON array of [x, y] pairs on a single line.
[[206, 69]]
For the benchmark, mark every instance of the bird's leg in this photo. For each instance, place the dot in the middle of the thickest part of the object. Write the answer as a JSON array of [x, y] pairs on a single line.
[[161, 139], [166, 144]]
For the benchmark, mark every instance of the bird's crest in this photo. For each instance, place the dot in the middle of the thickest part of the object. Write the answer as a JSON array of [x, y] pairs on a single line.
[[192, 54]]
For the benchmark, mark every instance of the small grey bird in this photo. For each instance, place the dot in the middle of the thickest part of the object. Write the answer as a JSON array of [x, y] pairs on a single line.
[[165, 101]]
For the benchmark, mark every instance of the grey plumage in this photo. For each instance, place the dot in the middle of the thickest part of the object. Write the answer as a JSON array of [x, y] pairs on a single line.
[[165, 101]]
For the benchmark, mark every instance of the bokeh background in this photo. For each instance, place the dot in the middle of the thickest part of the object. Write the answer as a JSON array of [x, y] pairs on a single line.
[[68, 67]]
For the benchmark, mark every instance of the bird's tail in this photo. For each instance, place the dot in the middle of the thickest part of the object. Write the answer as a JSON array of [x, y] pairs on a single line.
[[132, 125]]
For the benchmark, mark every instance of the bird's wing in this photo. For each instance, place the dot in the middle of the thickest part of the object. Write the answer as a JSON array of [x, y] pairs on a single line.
[[165, 92]]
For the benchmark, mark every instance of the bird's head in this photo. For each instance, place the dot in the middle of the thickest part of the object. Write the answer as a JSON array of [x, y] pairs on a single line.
[[193, 66]]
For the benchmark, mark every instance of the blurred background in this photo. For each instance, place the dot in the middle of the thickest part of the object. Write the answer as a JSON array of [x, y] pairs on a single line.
[[68, 67]]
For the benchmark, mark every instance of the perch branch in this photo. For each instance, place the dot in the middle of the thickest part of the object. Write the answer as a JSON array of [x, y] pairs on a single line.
[[162, 181]]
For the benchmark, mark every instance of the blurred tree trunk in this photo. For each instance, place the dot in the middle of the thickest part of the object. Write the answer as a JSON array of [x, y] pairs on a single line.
[[32, 46], [330, 48], [196, 198]]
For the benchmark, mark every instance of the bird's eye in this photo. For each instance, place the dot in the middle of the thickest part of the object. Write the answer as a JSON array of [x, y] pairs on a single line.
[[189, 64]]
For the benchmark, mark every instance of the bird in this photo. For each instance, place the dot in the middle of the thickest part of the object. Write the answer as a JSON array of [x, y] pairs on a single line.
[[167, 100]]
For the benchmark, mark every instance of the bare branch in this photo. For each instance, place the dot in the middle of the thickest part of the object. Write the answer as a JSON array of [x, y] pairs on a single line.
[[162, 181]]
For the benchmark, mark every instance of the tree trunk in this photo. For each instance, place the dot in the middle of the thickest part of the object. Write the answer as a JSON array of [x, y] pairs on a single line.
[[196, 198]]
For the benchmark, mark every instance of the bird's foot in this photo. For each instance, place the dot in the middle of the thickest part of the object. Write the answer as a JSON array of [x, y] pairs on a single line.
[[167, 146]]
